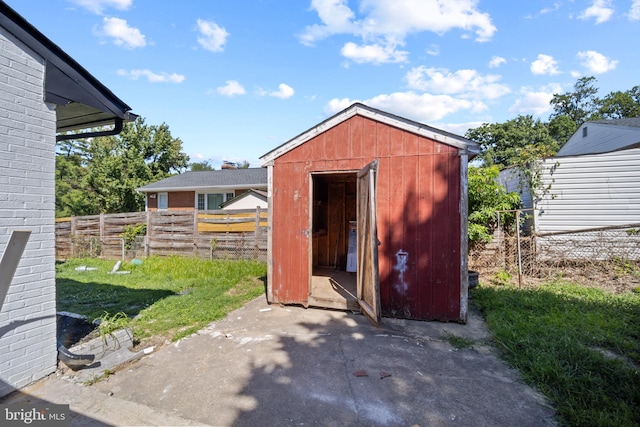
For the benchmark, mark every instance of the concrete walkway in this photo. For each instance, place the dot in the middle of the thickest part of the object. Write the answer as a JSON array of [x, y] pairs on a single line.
[[280, 366]]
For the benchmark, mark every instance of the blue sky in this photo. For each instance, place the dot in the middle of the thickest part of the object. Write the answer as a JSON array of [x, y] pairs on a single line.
[[234, 79]]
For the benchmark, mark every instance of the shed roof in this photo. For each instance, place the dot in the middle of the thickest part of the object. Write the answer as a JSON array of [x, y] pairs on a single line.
[[378, 115], [603, 136], [224, 178], [83, 102]]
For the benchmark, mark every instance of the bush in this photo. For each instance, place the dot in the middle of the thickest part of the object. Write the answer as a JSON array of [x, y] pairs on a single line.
[[486, 197], [130, 232]]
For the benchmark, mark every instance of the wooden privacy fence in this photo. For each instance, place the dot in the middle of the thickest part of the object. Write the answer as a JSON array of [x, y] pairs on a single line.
[[234, 234]]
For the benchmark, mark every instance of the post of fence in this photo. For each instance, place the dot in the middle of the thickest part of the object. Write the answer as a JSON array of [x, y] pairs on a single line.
[[519, 251], [256, 234], [147, 237], [101, 232], [501, 251], [195, 232]]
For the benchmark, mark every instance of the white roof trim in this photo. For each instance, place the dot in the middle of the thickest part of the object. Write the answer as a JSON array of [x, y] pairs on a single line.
[[379, 116]]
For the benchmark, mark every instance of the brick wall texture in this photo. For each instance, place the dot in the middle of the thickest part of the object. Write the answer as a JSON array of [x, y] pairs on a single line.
[[28, 348]]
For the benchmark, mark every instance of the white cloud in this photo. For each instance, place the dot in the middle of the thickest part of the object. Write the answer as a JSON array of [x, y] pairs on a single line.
[[465, 83], [98, 6], [420, 107], [460, 128], [284, 91], [497, 61], [536, 103], [335, 105], [546, 10], [386, 23], [433, 50], [212, 36], [231, 88], [634, 12], [600, 10], [373, 53], [596, 62], [336, 18], [545, 64], [121, 33], [152, 77]]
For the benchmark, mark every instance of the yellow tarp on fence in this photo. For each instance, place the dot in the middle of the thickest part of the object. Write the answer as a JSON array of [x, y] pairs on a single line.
[[239, 222]]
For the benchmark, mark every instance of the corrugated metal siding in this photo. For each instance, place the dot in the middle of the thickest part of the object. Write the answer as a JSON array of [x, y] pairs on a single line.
[[601, 138], [590, 191], [418, 196]]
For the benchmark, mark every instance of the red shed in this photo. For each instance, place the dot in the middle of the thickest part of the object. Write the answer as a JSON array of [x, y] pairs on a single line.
[[369, 210]]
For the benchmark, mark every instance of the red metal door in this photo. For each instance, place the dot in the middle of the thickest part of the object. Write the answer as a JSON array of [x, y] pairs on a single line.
[[367, 271]]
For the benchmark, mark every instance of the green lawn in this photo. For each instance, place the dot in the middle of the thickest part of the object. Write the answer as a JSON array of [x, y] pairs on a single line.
[[165, 297], [579, 346]]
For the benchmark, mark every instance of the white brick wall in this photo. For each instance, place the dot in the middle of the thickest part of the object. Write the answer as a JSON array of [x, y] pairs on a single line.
[[28, 349]]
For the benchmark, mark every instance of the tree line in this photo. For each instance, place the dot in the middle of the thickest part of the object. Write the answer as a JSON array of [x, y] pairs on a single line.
[[100, 175], [519, 142]]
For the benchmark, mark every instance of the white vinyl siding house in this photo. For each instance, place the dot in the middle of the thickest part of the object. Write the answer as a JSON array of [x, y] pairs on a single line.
[[511, 179], [603, 136], [591, 184], [590, 191], [251, 199]]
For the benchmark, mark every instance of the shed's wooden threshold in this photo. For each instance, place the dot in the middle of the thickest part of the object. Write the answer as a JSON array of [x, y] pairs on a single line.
[[333, 289]]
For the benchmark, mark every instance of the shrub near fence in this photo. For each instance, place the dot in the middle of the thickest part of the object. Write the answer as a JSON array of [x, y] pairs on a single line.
[[235, 234]]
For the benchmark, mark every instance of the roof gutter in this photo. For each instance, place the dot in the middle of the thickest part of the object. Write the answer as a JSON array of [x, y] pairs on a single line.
[[117, 128]]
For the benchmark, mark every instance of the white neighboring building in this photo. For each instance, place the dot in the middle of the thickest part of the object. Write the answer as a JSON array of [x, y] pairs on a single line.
[[251, 199], [594, 182], [42, 91]]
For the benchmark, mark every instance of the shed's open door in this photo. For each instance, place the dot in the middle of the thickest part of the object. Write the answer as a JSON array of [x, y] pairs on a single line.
[[367, 270]]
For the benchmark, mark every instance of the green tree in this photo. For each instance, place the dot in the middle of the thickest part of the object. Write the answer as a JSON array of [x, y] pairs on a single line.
[[503, 144], [572, 109], [486, 198], [580, 105], [201, 166], [243, 164], [621, 105], [100, 175], [71, 195], [561, 128]]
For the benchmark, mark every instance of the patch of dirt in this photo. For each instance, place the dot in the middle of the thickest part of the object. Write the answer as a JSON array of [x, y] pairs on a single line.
[[609, 276], [156, 342], [245, 286]]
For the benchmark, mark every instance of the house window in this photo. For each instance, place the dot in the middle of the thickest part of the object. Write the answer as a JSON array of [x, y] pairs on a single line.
[[212, 201], [584, 132], [163, 201]]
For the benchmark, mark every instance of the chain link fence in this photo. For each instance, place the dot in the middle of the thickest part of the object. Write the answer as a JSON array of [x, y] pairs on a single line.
[[597, 254]]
